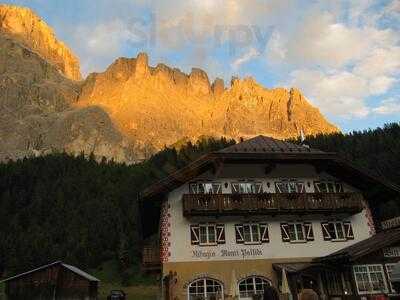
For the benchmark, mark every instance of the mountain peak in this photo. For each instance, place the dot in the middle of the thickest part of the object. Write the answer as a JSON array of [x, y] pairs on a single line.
[[159, 105], [24, 25]]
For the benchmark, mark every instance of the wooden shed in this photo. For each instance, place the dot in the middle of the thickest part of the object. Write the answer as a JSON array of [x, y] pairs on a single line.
[[55, 281]]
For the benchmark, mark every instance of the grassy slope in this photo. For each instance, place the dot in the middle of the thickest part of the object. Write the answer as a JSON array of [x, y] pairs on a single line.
[[2, 296], [138, 287]]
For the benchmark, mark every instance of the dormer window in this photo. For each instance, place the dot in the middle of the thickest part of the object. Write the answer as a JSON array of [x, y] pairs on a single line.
[[247, 188], [289, 186], [205, 188], [325, 186]]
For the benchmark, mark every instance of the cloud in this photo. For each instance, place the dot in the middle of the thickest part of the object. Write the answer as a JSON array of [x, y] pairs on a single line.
[[380, 61], [105, 41], [247, 56], [388, 106], [339, 65], [321, 40], [339, 93]]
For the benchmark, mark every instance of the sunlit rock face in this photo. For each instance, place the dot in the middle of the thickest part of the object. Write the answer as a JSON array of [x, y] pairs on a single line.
[[157, 106], [25, 26], [131, 110], [38, 115]]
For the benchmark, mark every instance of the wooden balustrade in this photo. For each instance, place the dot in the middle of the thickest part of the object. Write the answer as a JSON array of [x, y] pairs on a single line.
[[304, 203]]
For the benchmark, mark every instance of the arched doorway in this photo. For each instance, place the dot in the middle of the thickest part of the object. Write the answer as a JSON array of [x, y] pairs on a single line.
[[205, 289], [252, 285]]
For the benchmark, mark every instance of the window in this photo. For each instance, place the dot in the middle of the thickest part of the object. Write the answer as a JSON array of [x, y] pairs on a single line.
[[289, 186], [328, 187], [389, 270], [337, 231], [297, 232], [247, 188], [370, 279], [391, 252], [205, 188], [251, 286], [205, 289], [207, 234], [252, 233]]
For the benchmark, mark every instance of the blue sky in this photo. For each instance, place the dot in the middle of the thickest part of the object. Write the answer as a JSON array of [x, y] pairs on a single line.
[[343, 55]]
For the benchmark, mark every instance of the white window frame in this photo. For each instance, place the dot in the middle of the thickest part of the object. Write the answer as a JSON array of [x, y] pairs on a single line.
[[391, 252], [335, 223], [292, 186], [252, 241], [208, 187], [297, 240], [337, 186], [389, 275], [254, 290], [207, 227], [247, 187], [205, 293], [368, 266]]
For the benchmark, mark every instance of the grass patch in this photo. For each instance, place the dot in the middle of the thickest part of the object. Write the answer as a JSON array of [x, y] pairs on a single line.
[[133, 292], [2, 291], [137, 285]]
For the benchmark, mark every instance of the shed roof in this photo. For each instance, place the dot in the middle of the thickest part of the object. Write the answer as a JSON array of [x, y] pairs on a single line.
[[69, 267], [370, 245]]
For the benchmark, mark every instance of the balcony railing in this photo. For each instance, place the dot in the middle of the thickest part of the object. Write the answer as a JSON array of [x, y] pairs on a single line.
[[270, 204]]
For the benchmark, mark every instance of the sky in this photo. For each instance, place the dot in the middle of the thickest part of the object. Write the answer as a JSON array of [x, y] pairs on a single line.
[[343, 55]]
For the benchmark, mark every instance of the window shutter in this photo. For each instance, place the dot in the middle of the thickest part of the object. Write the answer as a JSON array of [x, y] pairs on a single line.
[[194, 234], [193, 188], [325, 232], [235, 188], [285, 232], [348, 230], [259, 188], [308, 230], [264, 233], [239, 234], [220, 233], [300, 187]]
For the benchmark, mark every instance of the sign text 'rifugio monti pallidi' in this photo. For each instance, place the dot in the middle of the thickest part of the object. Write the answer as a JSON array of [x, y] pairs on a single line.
[[223, 253]]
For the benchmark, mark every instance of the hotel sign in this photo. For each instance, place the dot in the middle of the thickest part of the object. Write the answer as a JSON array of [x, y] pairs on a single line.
[[224, 253]]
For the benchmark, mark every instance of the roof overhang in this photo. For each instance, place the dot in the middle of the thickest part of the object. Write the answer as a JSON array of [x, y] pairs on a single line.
[[363, 248], [323, 161]]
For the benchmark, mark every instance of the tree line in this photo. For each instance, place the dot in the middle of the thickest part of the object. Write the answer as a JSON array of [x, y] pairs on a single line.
[[86, 212]]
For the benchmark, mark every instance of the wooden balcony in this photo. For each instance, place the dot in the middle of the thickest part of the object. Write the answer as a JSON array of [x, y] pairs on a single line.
[[271, 204]]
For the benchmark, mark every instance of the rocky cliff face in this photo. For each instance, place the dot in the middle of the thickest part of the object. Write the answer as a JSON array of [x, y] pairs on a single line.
[[37, 113], [156, 106], [130, 110], [25, 26]]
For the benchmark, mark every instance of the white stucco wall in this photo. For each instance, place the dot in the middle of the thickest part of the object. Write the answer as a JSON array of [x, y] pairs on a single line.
[[180, 247]]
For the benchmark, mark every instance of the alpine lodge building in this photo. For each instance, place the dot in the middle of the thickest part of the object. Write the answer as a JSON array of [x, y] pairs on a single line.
[[264, 213]]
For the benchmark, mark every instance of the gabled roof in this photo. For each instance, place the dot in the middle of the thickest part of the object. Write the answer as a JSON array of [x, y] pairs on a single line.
[[262, 149], [265, 144], [69, 267], [374, 243]]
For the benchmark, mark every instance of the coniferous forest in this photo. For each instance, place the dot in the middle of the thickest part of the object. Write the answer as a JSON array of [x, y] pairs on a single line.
[[85, 212]]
